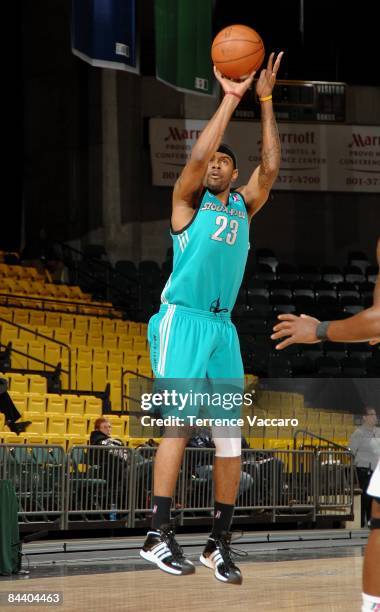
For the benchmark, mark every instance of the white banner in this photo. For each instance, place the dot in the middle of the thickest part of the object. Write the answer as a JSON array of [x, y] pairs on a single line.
[[314, 157]]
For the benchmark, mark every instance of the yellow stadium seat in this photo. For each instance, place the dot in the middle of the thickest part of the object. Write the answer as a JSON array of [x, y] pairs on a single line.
[[99, 376], [83, 376], [11, 438], [114, 373], [121, 327], [20, 401], [100, 355], [56, 440], [19, 360], [95, 326], [5, 313], [9, 333], [325, 419], [57, 425], [115, 395], [327, 432], [134, 329], [27, 336], [21, 317], [95, 340], [130, 361], [81, 324], [46, 331], [36, 350], [337, 418], [38, 425], [348, 419], [55, 404], [36, 319], [35, 438], [93, 407], [18, 383], [78, 338], [139, 344], [110, 341], [75, 440], [37, 404], [115, 357], [53, 320], [52, 355], [278, 444], [340, 433], [285, 433], [108, 327], [37, 384], [144, 362], [62, 335], [74, 405], [84, 354], [145, 371], [67, 321], [125, 343], [77, 426]]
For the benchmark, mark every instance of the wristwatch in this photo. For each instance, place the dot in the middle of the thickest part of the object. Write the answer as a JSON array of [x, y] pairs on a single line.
[[321, 332]]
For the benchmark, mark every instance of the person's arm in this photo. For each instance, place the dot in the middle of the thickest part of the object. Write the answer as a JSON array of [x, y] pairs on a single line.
[[361, 327], [256, 191], [354, 443], [190, 182]]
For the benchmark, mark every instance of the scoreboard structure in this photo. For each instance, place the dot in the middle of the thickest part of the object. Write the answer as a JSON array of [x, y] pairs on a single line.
[[303, 101]]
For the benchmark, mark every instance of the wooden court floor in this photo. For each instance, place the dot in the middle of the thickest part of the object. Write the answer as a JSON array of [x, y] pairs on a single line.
[[326, 584]]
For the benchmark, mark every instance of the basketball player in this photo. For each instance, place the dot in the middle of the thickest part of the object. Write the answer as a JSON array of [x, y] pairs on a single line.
[[363, 326], [192, 336]]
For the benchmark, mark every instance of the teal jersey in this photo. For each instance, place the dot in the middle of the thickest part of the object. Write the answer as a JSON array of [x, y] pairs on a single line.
[[210, 254]]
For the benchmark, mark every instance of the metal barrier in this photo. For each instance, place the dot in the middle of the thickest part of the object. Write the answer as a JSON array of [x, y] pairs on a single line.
[[106, 484], [335, 482], [276, 481], [38, 476], [99, 484]]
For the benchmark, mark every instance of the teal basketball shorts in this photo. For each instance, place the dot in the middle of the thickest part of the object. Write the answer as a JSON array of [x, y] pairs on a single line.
[[200, 349]]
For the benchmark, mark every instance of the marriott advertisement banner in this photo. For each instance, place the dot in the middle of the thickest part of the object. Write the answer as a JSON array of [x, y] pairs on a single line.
[[314, 157]]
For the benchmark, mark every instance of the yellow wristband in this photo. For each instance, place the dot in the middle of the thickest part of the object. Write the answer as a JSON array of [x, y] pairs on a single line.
[[266, 98]]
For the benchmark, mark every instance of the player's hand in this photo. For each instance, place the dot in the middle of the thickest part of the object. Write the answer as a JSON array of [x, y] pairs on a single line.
[[267, 78], [238, 87], [301, 329], [374, 341]]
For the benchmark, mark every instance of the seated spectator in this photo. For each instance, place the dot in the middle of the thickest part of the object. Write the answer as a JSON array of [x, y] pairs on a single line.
[[101, 436]]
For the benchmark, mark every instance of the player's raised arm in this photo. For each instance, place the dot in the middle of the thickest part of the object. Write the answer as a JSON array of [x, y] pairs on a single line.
[[190, 182], [256, 191]]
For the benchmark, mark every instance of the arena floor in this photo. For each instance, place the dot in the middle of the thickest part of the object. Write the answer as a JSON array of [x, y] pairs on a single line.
[[300, 570]]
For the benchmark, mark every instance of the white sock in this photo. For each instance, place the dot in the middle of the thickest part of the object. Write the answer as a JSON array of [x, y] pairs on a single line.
[[370, 603]]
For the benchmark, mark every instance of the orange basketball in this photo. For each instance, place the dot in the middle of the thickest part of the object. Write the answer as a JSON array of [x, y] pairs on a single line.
[[237, 50]]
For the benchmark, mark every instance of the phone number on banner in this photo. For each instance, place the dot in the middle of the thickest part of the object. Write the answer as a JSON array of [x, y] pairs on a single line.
[[291, 179]]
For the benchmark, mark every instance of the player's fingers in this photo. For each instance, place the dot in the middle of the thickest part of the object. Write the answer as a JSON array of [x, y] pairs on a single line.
[[287, 317], [217, 73], [281, 326], [270, 62], [284, 344], [283, 333], [277, 62]]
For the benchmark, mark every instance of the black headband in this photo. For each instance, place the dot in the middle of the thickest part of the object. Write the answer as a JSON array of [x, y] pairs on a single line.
[[225, 149]]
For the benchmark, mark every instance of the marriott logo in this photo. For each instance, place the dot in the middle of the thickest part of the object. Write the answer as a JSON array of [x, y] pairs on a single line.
[[179, 135], [358, 140]]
